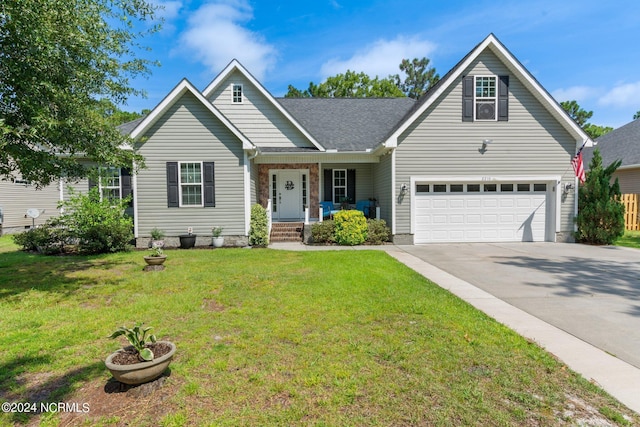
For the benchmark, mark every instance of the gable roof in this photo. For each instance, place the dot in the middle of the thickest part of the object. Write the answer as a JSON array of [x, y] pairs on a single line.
[[622, 143], [140, 126], [348, 124], [235, 65], [511, 62]]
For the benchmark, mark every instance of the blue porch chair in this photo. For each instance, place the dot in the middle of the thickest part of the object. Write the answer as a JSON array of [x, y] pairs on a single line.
[[363, 206], [327, 209]]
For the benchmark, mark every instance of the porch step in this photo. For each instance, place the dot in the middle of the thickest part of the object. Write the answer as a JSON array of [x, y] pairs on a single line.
[[286, 232]]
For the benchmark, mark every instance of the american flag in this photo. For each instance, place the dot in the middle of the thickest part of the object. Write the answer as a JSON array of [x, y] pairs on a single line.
[[578, 167]]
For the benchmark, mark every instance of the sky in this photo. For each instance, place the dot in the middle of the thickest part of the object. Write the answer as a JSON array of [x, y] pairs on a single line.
[[587, 50]]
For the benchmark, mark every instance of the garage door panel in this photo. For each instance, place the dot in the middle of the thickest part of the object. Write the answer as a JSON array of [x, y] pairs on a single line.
[[480, 217]]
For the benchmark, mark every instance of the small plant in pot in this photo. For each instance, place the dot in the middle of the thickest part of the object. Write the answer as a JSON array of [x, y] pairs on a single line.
[[217, 239], [157, 256], [144, 360], [157, 237]]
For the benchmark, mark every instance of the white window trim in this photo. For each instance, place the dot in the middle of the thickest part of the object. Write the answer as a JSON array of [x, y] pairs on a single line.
[[233, 94], [334, 186], [102, 187], [180, 185], [477, 99]]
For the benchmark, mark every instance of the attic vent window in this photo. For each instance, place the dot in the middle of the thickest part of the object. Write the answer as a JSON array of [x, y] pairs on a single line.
[[486, 96], [237, 94]]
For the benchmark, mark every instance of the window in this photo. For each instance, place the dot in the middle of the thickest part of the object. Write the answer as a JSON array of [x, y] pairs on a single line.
[[523, 187], [339, 185], [539, 187], [473, 188], [304, 189], [274, 193], [506, 188], [490, 188], [110, 184], [190, 184], [456, 188], [439, 188], [422, 188], [237, 94], [485, 98]]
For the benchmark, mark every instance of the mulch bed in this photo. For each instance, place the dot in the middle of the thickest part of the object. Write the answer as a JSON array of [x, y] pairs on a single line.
[[130, 356]]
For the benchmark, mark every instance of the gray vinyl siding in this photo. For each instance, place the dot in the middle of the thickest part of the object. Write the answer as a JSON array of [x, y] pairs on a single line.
[[364, 178], [188, 132], [256, 117], [15, 199], [530, 143], [382, 187], [629, 180]]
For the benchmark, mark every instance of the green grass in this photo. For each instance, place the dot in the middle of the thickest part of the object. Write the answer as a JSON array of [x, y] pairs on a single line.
[[273, 338], [630, 239]]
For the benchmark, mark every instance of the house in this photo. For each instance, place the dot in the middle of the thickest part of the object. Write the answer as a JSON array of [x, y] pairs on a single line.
[[622, 144], [22, 205], [484, 156]]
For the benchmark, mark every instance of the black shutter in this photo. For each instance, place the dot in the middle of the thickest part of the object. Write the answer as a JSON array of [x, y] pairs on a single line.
[[467, 99], [172, 185], [503, 99], [351, 185], [328, 185], [209, 184], [125, 182]]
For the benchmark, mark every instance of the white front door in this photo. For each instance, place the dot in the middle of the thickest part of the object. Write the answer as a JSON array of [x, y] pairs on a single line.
[[288, 194]]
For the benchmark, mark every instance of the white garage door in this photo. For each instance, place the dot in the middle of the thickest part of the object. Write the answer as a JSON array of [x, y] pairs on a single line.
[[480, 212]]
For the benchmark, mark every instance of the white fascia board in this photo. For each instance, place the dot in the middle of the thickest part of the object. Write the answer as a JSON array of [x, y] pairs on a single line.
[[183, 87], [235, 65], [492, 42]]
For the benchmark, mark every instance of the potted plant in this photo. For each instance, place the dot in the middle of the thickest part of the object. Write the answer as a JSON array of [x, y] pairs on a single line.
[[157, 256], [156, 238], [187, 241], [217, 239], [144, 360]]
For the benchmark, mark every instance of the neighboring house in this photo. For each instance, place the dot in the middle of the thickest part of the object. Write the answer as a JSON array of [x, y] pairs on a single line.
[[623, 144], [483, 156], [18, 196]]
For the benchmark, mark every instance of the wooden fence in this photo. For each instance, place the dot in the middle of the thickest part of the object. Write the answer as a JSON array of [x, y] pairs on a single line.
[[630, 211]]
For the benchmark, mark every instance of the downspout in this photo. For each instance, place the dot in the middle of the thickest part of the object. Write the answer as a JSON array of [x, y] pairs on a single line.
[[134, 189]]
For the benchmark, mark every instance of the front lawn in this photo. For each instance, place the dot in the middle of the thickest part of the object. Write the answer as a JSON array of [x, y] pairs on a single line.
[[630, 239], [274, 338]]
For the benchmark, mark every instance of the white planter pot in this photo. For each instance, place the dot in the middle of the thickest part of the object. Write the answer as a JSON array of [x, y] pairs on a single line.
[[218, 242]]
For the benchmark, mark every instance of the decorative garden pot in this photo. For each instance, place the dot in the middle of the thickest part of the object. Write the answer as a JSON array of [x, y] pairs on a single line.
[[139, 373], [155, 260], [187, 241], [218, 242]]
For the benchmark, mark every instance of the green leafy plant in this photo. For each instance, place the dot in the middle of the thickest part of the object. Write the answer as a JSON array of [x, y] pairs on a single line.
[[137, 337], [216, 231], [259, 230], [323, 232], [351, 227], [157, 234], [156, 251], [601, 211], [378, 232]]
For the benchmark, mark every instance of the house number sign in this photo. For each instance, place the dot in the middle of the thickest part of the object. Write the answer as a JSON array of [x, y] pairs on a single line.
[[289, 185]]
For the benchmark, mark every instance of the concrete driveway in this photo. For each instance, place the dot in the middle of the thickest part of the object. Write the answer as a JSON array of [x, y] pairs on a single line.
[[590, 292]]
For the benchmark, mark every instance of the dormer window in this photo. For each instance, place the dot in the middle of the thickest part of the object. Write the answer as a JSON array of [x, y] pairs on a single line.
[[485, 97], [237, 94]]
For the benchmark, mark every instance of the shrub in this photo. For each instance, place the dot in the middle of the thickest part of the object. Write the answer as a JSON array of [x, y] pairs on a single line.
[[323, 232], [100, 226], [601, 212], [47, 239], [94, 225], [259, 230], [351, 227], [378, 232]]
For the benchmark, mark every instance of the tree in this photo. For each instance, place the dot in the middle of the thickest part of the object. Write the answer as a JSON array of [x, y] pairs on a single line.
[[58, 59], [636, 116], [581, 116], [349, 85], [115, 115], [419, 77], [601, 212]]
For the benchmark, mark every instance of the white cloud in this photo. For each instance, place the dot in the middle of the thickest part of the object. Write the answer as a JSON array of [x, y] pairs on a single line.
[[168, 9], [380, 58], [215, 36], [577, 93], [622, 95]]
